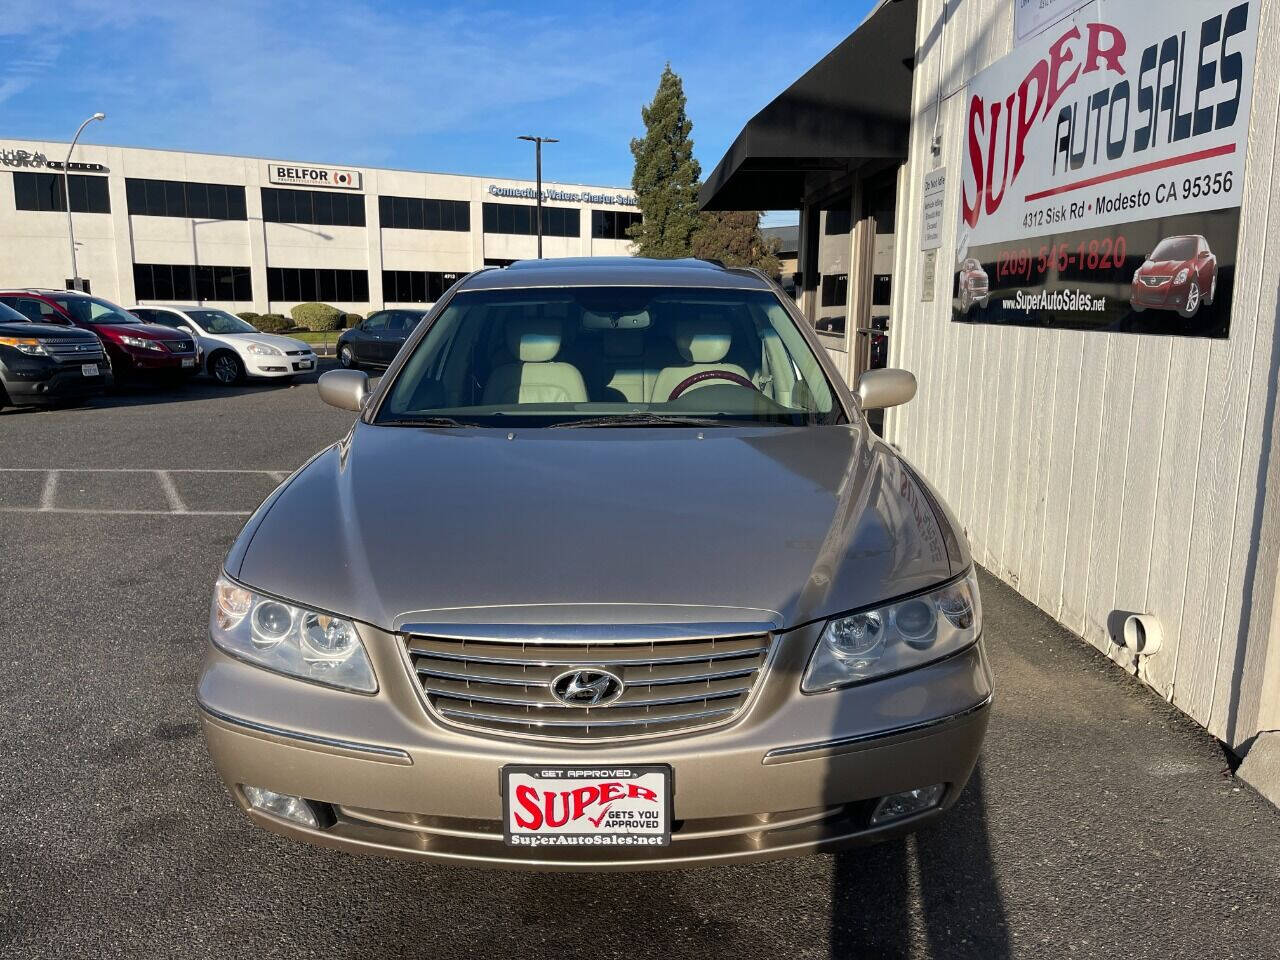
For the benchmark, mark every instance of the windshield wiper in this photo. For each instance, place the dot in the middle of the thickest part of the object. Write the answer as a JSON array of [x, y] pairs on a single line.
[[642, 420], [432, 421]]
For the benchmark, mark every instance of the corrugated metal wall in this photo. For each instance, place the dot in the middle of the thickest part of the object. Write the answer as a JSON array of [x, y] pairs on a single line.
[[1103, 472]]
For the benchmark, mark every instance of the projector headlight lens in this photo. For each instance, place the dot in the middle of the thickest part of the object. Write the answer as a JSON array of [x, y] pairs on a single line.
[[897, 636], [289, 639]]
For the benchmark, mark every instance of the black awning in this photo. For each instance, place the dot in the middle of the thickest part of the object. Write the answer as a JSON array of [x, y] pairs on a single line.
[[853, 105]]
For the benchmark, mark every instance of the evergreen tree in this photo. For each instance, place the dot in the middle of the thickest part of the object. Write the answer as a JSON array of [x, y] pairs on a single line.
[[666, 177], [733, 237]]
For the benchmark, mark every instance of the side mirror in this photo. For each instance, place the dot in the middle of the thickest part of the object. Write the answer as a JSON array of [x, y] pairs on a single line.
[[878, 389], [345, 389]]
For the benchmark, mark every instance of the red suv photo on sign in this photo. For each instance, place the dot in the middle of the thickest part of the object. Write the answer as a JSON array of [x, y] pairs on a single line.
[[1180, 274]]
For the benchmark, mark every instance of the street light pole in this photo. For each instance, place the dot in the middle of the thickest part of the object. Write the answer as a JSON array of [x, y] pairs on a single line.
[[66, 191], [538, 142]]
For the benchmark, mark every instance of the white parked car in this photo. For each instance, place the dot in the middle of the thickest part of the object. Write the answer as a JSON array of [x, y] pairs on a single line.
[[230, 348]]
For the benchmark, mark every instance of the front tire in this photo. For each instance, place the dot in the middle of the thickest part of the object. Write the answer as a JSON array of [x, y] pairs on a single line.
[[1192, 306], [347, 358], [226, 368]]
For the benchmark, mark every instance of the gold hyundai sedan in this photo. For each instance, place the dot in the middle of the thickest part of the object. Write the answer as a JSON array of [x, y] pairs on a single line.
[[609, 574]]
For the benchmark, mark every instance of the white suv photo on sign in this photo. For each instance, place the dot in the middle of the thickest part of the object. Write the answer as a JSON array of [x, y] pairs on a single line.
[[230, 348]]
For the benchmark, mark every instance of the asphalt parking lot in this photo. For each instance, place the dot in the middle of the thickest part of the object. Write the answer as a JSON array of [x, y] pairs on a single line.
[[1101, 823]]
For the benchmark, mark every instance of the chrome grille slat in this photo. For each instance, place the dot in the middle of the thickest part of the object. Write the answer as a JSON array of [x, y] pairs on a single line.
[[669, 685], [535, 721]]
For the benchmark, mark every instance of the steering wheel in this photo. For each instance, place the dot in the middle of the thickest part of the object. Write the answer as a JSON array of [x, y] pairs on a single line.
[[729, 375]]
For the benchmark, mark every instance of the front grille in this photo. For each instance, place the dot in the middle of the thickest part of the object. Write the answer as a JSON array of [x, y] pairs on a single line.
[[296, 353], [179, 346], [74, 351], [668, 685], [1154, 281]]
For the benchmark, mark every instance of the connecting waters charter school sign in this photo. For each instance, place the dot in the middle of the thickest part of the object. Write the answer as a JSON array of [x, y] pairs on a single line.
[[1102, 170]]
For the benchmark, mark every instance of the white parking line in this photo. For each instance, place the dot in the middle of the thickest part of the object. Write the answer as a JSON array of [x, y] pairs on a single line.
[[55, 488], [50, 490], [166, 482]]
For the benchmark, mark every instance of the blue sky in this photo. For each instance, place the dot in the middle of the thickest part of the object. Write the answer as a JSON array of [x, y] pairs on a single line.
[[427, 86]]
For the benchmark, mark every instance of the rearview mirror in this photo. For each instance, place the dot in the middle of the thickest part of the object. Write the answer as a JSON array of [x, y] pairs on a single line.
[[878, 389], [345, 389]]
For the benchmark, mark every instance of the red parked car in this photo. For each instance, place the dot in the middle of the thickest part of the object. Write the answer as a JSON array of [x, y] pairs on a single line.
[[135, 349], [1180, 274]]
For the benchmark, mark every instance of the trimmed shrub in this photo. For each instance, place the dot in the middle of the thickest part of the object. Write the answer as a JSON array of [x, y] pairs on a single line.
[[350, 320], [317, 316], [249, 317], [272, 323]]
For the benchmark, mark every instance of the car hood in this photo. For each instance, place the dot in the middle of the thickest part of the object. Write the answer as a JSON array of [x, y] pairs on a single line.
[[632, 525], [148, 331], [1160, 268], [266, 339], [53, 331]]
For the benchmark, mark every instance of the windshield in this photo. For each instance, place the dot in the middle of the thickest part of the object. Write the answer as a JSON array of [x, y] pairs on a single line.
[[1175, 248], [608, 355], [219, 321], [92, 310], [10, 315]]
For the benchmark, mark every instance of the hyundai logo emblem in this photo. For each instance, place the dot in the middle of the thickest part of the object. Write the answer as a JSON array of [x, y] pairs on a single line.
[[586, 687]]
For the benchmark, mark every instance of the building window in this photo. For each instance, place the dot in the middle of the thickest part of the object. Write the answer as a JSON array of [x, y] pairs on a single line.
[[612, 224], [318, 207], [186, 282], [416, 213], [839, 221], [416, 286], [835, 289], [521, 219], [302, 284], [178, 198], [43, 191]]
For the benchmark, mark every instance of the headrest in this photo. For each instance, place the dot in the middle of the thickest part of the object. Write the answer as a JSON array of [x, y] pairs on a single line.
[[703, 341], [533, 339], [623, 343]]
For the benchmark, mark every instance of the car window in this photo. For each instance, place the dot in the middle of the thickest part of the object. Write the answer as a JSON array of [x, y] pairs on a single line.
[[1175, 248], [403, 320], [589, 354], [91, 310], [35, 310], [220, 322], [163, 317], [377, 321], [10, 315]]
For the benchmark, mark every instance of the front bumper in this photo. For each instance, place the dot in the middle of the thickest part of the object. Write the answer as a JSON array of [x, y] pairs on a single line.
[[150, 362], [1165, 297], [286, 366], [40, 382], [793, 774]]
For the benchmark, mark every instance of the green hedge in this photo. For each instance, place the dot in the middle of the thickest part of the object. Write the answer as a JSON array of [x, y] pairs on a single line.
[[350, 320], [317, 316], [249, 317], [272, 323]]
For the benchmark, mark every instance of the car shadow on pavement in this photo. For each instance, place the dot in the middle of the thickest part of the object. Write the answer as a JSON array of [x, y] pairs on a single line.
[[932, 893]]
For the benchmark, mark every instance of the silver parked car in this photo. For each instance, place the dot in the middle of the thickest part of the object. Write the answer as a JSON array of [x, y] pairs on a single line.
[[609, 573]]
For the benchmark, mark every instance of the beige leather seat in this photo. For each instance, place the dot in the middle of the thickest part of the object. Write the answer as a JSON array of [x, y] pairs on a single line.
[[704, 343], [535, 377]]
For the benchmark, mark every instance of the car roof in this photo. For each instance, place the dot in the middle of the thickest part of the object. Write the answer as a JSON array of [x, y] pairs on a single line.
[[614, 272]]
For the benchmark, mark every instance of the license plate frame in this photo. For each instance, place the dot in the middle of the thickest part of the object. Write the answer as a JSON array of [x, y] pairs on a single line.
[[89, 370], [635, 827], [188, 362], [304, 365]]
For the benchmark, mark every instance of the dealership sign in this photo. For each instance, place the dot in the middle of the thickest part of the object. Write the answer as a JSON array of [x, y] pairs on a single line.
[[1102, 170], [295, 176]]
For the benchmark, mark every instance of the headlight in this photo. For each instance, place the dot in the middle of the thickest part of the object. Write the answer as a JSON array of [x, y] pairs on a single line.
[[293, 640], [29, 345], [141, 344], [1181, 278], [897, 636], [262, 350]]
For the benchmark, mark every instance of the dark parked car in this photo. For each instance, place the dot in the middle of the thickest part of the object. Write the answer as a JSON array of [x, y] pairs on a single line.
[[1180, 274], [42, 363], [376, 341], [135, 348]]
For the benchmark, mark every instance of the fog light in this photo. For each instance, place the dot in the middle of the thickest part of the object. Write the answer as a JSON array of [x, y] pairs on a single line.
[[899, 805], [281, 805]]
